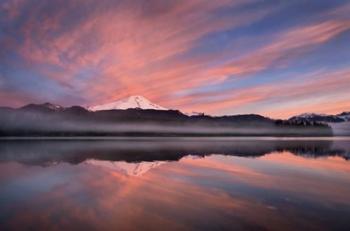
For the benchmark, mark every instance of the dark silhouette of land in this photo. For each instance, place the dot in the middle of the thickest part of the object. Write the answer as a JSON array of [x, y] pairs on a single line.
[[50, 120]]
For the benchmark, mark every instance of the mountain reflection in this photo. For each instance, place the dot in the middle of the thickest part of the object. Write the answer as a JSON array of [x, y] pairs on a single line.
[[175, 184], [45, 152]]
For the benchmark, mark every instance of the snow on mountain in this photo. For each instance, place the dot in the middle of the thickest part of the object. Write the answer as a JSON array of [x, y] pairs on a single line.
[[309, 115], [135, 101], [194, 113], [322, 117], [129, 169], [345, 116], [53, 106]]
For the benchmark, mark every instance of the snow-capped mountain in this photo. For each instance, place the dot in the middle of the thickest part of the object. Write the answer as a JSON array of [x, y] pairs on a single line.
[[310, 115], [343, 117], [126, 168], [135, 101]]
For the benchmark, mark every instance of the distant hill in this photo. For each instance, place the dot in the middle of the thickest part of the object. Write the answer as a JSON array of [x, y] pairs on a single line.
[[342, 117], [339, 123]]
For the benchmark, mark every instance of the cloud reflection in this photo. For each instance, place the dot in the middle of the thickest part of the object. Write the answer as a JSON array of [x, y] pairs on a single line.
[[195, 192]]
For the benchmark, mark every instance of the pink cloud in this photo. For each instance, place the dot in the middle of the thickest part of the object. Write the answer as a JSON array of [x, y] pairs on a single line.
[[133, 51], [297, 89]]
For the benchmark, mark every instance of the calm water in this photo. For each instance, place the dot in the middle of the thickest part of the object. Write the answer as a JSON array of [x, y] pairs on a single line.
[[175, 184]]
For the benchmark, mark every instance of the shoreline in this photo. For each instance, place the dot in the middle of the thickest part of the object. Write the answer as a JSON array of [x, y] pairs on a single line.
[[222, 138]]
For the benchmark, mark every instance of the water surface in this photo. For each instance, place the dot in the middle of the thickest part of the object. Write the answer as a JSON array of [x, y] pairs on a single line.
[[175, 184]]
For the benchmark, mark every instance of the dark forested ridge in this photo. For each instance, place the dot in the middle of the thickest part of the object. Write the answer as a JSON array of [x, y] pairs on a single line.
[[51, 120]]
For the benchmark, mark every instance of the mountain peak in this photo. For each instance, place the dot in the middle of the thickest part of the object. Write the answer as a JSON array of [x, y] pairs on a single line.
[[52, 106], [136, 97], [126, 168], [134, 101]]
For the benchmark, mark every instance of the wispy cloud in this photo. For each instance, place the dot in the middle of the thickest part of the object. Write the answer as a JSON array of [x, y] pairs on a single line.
[[159, 49], [284, 48], [294, 95]]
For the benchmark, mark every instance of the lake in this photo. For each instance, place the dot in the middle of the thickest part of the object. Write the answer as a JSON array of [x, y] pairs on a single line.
[[175, 184]]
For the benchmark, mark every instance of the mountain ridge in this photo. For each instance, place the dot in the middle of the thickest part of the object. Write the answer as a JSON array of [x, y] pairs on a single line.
[[49, 107], [54, 120]]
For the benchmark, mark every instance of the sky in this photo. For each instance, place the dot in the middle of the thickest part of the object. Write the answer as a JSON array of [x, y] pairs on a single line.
[[275, 58]]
